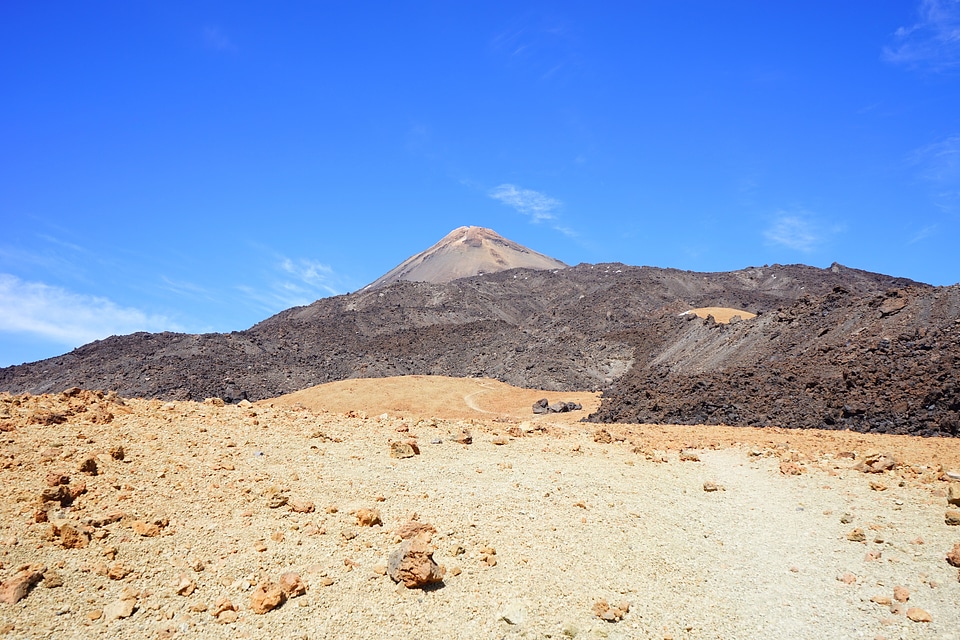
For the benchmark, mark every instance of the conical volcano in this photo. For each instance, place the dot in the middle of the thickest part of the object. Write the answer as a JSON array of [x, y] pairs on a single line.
[[464, 252]]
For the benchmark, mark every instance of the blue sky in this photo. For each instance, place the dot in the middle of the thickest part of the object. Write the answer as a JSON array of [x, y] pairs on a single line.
[[200, 166]]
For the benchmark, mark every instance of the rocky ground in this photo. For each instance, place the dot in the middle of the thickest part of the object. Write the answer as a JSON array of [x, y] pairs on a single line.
[[145, 518]]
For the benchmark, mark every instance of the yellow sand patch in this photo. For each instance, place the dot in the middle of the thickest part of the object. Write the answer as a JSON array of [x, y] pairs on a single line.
[[722, 314], [437, 397]]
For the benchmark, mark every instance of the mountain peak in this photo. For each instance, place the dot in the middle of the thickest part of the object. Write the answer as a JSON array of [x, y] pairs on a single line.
[[465, 252]]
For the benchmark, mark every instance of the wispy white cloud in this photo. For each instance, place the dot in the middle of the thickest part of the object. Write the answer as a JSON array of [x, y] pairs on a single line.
[[315, 275], [939, 161], [295, 283], [55, 314], [539, 207], [939, 166], [923, 234], [538, 45], [800, 231], [214, 38], [527, 201], [184, 288], [933, 42]]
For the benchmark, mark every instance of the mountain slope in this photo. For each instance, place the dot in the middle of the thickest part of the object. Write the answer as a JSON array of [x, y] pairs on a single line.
[[465, 252], [830, 347]]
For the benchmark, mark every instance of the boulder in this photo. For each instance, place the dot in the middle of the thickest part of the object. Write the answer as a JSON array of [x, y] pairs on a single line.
[[413, 564], [16, 588], [266, 597]]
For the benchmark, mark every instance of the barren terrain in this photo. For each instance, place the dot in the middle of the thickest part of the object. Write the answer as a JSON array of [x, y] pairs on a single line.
[[833, 348], [190, 512]]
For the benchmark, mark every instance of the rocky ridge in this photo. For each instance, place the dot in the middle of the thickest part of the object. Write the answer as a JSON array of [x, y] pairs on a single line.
[[834, 348]]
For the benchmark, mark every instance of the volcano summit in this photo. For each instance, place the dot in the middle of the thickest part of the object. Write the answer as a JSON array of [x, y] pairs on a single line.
[[465, 252]]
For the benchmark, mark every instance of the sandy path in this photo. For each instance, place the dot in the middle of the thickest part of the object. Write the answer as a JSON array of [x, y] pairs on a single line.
[[436, 397]]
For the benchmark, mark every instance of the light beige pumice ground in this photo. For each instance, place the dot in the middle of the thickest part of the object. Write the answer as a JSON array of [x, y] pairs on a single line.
[[531, 533]]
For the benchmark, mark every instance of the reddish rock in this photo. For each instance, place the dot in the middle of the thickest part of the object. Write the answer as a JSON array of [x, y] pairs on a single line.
[[857, 535], [414, 527], [954, 556], [292, 585], [266, 597], [117, 571], [56, 479], [403, 450], [368, 517], [919, 615], [301, 506], [60, 493], [52, 580], [611, 613], [953, 494], [221, 605], [952, 518], [602, 436], [72, 537], [790, 469], [16, 588], [847, 578], [228, 617], [878, 463], [413, 564], [462, 437], [88, 465], [901, 594], [122, 608], [185, 586], [145, 529], [44, 417], [77, 490]]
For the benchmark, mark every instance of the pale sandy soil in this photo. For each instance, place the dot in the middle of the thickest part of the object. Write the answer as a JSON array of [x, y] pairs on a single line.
[[438, 397], [572, 520], [722, 314]]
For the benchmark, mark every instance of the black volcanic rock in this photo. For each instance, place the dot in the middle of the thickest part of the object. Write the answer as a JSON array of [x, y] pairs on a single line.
[[835, 361], [835, 348]]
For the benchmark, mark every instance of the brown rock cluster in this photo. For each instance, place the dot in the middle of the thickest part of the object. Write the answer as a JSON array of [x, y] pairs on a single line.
[[877, 463], [611, 613], [270, 595]]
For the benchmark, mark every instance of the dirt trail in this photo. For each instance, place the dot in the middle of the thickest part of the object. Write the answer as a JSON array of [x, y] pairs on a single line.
[[469, 398]]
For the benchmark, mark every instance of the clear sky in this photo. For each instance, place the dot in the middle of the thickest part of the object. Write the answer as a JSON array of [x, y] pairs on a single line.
[[199, 166]]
